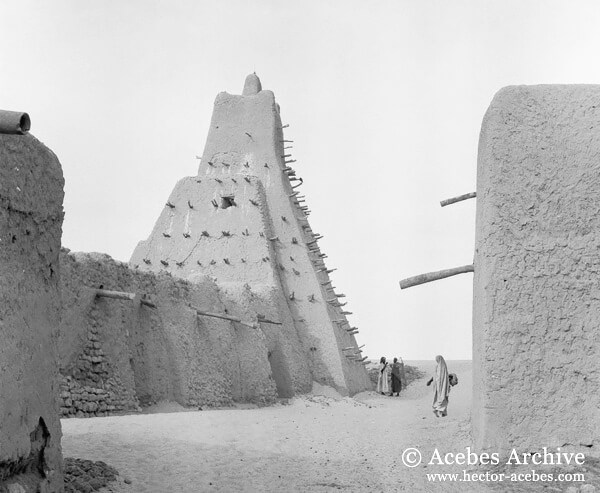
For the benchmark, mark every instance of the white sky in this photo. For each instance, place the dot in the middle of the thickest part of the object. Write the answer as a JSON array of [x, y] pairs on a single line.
[[384, 101]]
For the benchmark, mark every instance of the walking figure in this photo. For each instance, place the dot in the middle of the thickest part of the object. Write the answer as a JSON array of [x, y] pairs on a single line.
[[441, 388]]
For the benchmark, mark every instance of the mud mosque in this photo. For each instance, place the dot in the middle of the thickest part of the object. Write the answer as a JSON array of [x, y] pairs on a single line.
[[229, 299]]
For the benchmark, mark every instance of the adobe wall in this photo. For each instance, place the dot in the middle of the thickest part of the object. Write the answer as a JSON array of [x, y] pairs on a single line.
[[31, 215], [118, 354], [193, 238], [536, 356], [271, 248]]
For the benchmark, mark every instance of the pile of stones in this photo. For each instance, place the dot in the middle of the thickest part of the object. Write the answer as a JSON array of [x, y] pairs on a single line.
[[90, 390], [85, 476]]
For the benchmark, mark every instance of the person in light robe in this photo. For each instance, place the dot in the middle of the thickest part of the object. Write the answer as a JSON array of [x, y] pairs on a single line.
[[382, 377], [441, 388]]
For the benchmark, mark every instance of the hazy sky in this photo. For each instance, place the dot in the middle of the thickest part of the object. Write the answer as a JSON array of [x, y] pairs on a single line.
[[384, 101]]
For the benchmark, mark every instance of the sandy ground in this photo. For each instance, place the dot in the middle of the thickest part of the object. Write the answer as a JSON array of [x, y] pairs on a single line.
[[315, 443]]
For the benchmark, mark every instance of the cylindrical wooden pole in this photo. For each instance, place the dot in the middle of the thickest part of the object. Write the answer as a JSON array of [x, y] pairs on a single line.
[[267, 321], [117, 295], [435, 276], [121, 295], [222, 316], [460, 198]]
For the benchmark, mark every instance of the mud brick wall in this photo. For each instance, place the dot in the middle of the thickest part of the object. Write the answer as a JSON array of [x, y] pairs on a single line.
[[536, 356], [31, 195], [243, 221], [118, 355]]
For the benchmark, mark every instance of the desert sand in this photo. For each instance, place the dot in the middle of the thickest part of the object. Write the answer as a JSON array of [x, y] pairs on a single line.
[[318, 442]]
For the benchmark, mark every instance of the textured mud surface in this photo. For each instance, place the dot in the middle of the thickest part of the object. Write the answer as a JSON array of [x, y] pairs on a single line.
[[536, 296], [31, 194], [118, 355]]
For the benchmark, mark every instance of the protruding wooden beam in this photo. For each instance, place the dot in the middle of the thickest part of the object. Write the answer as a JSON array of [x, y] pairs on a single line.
[[148, 303], [264, 320], [223, 316], [435, 276], [121, 295], [117, 295], [460, 198]]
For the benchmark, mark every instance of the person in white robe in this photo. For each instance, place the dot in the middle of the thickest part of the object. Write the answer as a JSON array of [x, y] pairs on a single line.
[[383, 386]]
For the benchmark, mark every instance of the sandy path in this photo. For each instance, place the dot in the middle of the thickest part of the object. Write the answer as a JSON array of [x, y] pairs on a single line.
[[313, 444]]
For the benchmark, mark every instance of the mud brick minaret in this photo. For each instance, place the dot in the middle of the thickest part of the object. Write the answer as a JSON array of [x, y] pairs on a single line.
[[243, 221]]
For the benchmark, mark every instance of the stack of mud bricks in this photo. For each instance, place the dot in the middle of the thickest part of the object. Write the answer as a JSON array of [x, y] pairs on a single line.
[[91, 390]]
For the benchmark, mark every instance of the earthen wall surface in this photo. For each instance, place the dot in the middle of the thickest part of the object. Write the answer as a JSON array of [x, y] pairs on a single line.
[[31, 195], [536, 356], [118, 355]]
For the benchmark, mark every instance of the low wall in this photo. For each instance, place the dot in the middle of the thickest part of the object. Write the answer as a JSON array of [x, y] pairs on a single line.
[[119, 354]]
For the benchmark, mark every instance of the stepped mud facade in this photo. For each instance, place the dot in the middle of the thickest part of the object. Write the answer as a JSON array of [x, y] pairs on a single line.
[[242, 221], [31, 215], [536, 356]]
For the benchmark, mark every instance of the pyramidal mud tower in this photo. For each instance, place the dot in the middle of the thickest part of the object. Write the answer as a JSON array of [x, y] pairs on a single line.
[[242, 221]]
